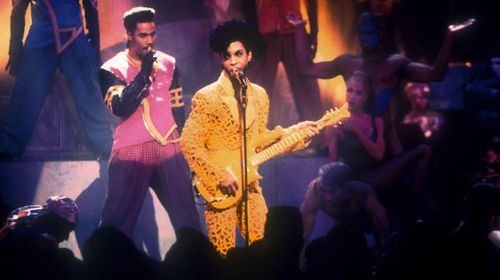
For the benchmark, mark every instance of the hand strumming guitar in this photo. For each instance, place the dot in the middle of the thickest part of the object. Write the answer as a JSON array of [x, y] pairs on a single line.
[[229, 186]]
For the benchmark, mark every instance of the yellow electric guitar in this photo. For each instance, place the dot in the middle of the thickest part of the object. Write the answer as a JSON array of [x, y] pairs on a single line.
[[218, 200]]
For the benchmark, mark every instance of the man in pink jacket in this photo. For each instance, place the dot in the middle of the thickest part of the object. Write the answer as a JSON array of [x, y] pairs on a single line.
[[141, 87]]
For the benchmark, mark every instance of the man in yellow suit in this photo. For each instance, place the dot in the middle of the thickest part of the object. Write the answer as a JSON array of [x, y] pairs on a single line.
[[213, 133]]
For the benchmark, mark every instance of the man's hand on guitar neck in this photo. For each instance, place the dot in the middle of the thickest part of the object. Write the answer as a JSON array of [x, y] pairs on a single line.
[[309, 128]]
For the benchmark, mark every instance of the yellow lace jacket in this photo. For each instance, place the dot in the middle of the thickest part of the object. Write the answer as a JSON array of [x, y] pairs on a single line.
[[213, 128]]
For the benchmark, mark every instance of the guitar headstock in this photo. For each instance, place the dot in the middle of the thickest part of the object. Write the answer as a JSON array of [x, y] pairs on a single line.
[[334, 116]]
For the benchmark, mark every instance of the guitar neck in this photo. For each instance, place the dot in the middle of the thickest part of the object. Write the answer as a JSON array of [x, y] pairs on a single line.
[[330, 118], [277, 148]]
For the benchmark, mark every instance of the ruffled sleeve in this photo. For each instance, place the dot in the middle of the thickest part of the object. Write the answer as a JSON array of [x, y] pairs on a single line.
[[194, 138]]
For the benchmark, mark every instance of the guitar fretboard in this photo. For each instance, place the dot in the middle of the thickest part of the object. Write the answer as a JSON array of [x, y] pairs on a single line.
[[331, 117], [277, 148]]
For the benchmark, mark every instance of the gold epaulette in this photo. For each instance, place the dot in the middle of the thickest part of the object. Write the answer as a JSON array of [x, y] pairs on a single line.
[[112, 91]]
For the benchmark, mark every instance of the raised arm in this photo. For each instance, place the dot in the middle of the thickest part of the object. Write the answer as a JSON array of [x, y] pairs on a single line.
[[123, 99], [421, 73], [322, 70]]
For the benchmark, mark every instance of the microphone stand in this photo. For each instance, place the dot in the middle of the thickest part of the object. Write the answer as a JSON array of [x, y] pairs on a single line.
[[243, 105]]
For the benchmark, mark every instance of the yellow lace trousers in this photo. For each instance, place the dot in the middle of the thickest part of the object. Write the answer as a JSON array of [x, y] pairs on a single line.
[[221, 224]]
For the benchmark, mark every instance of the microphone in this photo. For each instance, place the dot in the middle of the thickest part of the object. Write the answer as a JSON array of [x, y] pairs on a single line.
[[243, 79], [152, 53]]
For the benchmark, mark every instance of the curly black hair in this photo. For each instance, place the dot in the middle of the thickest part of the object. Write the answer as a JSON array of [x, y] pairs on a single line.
[[229, 31], [137, 15], [334, 174]]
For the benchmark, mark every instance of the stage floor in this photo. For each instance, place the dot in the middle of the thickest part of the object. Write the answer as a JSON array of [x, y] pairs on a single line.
[[31, 182]]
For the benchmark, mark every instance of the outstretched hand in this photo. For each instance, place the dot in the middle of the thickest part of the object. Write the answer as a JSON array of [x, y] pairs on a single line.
[[461, 25]]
